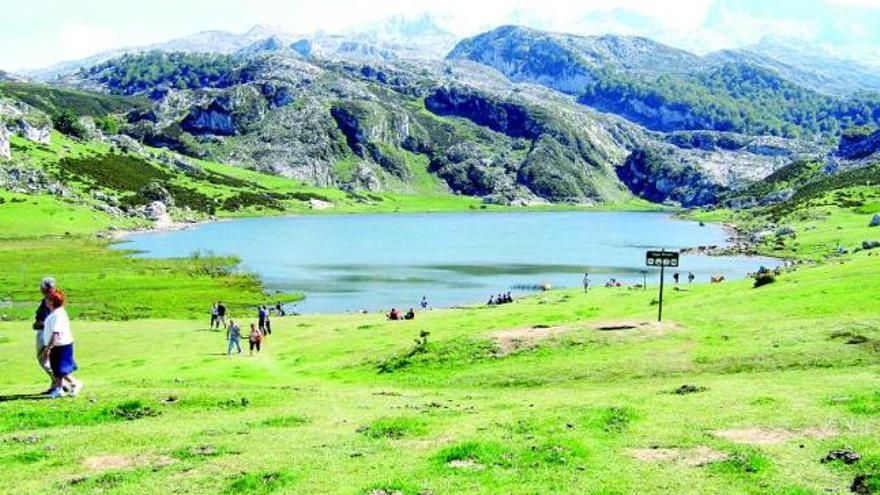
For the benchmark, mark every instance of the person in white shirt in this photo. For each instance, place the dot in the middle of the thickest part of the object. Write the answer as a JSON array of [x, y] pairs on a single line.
[[58, 347], [47, 285]]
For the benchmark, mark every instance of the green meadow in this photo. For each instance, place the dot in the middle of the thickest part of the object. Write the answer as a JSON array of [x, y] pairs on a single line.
[[740, 390]]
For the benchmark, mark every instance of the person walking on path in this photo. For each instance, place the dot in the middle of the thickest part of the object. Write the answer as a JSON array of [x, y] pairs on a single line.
[[255, 338], [214, 320], [268, 321], [233, 337], [221, 315], [58, 341], [587, 282]]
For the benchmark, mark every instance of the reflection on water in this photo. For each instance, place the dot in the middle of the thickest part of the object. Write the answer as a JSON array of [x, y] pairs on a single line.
[[354, 262]]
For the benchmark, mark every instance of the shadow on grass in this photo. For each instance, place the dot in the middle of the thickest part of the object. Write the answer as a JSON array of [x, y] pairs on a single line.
[[16, 397]]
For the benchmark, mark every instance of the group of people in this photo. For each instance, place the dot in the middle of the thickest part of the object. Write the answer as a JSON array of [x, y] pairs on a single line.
[[218, 315], [54, 342], [258, 331], [500, 299], [395, 314], [691, 277], [613, 282]]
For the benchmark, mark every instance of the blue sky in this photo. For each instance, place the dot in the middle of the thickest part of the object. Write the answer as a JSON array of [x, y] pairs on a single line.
[[38, 33]]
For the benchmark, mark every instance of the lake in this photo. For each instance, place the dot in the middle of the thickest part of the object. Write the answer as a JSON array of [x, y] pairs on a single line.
[[372, 262]]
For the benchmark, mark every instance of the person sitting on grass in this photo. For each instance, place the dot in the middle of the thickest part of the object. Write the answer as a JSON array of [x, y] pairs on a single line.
[[394, 314], [58, 341], [255, 338], [410, 315], [233, 336], [491, 301]]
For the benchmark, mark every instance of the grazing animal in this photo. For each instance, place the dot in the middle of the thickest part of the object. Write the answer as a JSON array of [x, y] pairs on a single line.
[[717, 279]]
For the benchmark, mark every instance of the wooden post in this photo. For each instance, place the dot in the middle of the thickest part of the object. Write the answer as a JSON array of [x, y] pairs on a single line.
[[660, 309]]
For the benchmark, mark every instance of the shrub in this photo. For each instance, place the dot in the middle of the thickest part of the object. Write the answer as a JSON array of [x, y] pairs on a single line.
[[66, 122], [762, 279]]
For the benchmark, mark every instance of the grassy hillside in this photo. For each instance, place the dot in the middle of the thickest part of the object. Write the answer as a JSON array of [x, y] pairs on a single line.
[[554, 394], [51, 100]]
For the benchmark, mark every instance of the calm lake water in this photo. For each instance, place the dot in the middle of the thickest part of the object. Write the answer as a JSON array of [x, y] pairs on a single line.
[[354, 262]]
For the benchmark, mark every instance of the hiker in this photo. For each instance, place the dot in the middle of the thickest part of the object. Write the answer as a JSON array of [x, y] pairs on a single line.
[[47, 285], [268, 322], [410, 315], [691, 277], [255, 338], [587, 281], [221, 314], [233, 336], [424, 303], [675, 278], [394, 314], [214, 320], [58, 347], [262, 317]]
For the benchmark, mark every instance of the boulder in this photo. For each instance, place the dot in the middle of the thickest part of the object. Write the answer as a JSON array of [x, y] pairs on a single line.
[[317, 204], [158, 212], [5, 152], [106, 198], [785, 230], [875, 220], [40, 135], [126, 143], [154, 191]]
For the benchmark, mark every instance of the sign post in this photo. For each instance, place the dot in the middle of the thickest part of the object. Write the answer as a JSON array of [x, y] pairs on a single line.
[[662, 259]]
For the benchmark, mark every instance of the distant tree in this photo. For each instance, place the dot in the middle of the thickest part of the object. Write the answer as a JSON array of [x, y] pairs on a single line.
[[66, 122], [108, 124]]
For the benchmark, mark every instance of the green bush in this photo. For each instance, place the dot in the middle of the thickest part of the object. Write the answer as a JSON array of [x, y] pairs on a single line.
[[763, 279], [66, 122]]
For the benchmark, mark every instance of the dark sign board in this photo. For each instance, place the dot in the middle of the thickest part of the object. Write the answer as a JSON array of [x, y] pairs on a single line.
[[661, 258]]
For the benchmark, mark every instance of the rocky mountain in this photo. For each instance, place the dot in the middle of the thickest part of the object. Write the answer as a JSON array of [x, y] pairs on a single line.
[[667, 89], [220, 42], [395, 37], [806, 65], [411, 124], [10, 77], [513, 115]]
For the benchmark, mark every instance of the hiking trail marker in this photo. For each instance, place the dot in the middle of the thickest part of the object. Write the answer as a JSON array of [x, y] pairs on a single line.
[[662, 259]]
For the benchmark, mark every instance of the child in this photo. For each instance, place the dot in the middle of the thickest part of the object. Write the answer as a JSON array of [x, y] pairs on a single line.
[[255, 338]]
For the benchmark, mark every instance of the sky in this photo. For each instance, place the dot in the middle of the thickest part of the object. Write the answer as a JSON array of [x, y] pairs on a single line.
[[38, 33]]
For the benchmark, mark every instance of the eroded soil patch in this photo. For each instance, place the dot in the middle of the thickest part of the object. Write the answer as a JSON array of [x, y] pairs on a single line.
[[772, 436], [692, 457]]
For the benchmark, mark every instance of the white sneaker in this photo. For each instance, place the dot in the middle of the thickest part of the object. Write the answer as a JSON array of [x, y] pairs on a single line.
[[55, 393], [77, 388]]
